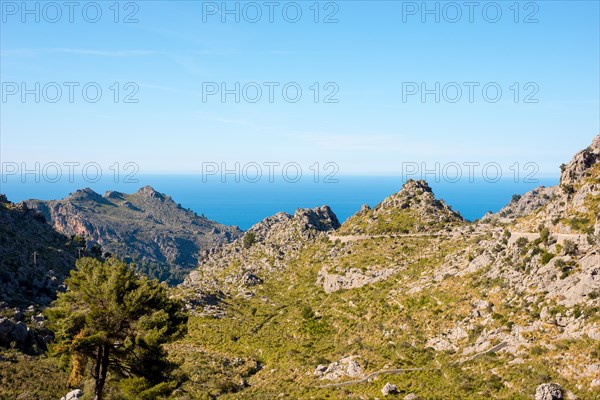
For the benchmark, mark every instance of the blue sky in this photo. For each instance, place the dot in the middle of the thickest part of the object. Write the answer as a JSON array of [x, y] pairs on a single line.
[[174, 50]]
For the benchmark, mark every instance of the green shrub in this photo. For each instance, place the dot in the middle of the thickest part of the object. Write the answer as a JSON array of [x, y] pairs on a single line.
[[249, 239], [522, 242], [307, 312], [537, 350], [579, 224], [544, 235], [569, 247], [546, 257], [568, 189]]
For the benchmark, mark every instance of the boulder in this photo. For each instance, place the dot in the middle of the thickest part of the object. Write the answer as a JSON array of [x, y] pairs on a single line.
[[549, 391], [346, 367], [388, 389], [73, 395], [12, 332]]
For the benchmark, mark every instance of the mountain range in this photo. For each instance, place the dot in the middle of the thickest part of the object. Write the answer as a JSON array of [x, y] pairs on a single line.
[[407, 299]]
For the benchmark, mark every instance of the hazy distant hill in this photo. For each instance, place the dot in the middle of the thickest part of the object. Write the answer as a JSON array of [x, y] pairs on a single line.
[[146, 227]]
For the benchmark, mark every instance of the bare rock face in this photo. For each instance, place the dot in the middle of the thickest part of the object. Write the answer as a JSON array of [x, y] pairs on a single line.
[[147, 227], [578, 286], [345, 367], [352, 278], [576, 169], [549, 391]]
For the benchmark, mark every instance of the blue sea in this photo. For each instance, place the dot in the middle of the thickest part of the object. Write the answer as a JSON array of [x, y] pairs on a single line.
[[244, 204]]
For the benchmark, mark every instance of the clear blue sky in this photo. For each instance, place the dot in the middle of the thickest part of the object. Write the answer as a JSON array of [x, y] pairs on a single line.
[[368, 54]]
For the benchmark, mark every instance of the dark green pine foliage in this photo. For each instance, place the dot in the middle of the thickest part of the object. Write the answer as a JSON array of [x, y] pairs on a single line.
[[118, 320]]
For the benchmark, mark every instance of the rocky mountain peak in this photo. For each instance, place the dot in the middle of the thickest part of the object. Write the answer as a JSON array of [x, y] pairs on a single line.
[[321, 219], [571, 207], [413, 209], [580, 164], [412, 192], [150, 192], [596, 143], [412, 185], [418, 196], [86, 194]]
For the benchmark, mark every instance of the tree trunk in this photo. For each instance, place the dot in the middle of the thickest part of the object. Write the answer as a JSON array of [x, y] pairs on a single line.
[[101, 371], [97, 367]]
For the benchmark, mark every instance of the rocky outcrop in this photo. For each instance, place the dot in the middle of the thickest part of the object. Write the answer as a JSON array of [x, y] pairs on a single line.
[[31, 337], [549, 391], [11, 331], [577, 169], [352, 278], [388, 389], [345, 367], [284, 229], [147, 227]]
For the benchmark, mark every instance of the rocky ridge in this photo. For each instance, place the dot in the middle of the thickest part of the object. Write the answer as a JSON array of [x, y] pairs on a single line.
[[146, 227]]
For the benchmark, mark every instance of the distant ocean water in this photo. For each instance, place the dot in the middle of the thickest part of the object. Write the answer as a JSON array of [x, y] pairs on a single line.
[[244, 204]]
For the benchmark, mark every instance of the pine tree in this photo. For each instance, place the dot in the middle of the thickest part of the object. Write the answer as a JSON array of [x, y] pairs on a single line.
[[116, 318]]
